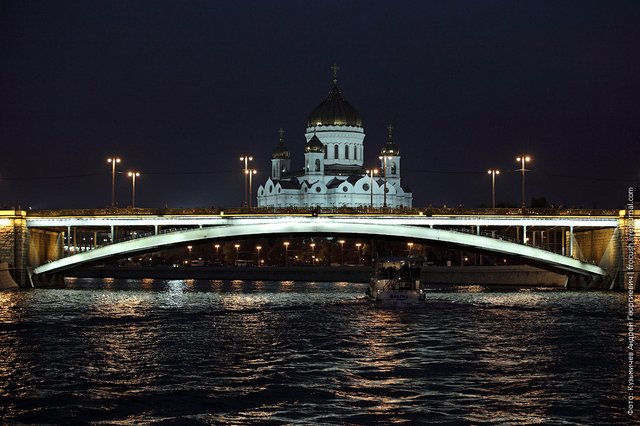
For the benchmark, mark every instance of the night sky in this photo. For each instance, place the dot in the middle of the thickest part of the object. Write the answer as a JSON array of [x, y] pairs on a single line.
[[180, 90]]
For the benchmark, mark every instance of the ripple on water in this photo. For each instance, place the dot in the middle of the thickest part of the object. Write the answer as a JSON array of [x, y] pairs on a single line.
[[124, 352]]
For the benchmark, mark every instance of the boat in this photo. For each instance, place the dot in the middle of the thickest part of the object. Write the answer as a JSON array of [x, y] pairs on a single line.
[[396, 281]]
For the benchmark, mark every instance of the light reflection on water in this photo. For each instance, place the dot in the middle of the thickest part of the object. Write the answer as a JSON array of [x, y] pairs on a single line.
[[140, 351]]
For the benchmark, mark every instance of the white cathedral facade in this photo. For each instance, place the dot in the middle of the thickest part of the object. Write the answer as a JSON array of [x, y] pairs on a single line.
[[334, 174]]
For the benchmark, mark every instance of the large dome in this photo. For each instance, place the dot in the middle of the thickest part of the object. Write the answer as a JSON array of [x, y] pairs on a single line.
[[334, 111]]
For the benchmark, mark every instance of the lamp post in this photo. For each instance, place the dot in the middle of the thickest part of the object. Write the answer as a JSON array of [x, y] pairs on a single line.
[[286, 253], [237, 246], [358, 245], [371, 172], [522, 159], [133, 176], [341, 251], [493, 173], [258, 248], [246, 160], [313, 251], [384, 172], [217, 247], [113, 161], [189, 248], [410, 245], [250, 172]]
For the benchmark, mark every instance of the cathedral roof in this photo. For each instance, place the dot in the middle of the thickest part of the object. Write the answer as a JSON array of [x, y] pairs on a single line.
[[334, 110], [314, 145]]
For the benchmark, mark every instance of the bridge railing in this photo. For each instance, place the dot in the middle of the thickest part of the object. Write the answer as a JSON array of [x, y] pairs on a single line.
[[362, 210]]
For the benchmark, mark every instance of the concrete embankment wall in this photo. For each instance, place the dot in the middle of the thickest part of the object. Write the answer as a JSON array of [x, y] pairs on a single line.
[[476, 275], [512, 275], [293, 273]]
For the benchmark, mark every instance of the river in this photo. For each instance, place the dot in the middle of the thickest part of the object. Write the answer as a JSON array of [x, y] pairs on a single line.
[[236, 352]]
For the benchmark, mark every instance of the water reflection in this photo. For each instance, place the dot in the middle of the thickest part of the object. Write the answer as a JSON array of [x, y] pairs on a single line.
[[122, 352]]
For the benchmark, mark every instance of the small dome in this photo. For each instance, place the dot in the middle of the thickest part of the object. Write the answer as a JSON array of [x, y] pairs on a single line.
[[334, 110], [281, 151], [390, 148], [314, 145]]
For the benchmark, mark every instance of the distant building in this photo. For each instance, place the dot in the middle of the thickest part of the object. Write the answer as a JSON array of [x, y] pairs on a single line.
[[333, 173]]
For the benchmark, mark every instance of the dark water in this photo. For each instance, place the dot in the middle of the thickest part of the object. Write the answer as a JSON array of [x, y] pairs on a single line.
[[188, 352]]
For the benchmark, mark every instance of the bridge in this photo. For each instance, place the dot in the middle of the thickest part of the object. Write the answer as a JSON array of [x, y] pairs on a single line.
[[575, 243]]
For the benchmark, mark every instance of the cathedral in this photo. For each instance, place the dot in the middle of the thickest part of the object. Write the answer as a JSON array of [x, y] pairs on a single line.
[[334, 174]]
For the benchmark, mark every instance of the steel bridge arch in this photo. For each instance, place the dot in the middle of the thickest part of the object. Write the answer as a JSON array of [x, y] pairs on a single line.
[[323, 226]]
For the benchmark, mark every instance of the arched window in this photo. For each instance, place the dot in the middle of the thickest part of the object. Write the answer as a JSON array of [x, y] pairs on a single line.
[[346, 152], [317, 164], [325, 152], [335, 152], [394, 169], [355, 152]]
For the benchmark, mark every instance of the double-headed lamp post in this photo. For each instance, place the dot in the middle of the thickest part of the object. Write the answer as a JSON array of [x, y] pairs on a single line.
[[371, 172], [522, 159], [217, 247], [250, 172], [133, 176], [258, 248], [410, 245], [342, 251], [493, 173], [113, 161], [384, 173], [246, 159]]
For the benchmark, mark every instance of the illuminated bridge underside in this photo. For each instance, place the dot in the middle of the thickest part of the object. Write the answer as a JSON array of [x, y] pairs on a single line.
[[317, 226]]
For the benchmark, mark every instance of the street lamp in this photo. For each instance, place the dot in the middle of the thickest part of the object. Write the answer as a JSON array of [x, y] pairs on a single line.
[[217, 247], [250, 172], [371, 173], [258, 248], [384, 172], [286, 253], [522, 159], [237, 246], [113, 161], [133, 176], [189, 248], [341, 251], [410, 245], [358, 245], [313, 251], [493, 173], [246, 160]]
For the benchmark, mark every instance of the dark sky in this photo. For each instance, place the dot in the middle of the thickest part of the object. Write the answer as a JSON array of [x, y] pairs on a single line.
[[180, 90]]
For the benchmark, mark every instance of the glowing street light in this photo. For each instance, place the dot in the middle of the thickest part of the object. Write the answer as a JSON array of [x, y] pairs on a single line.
[[258, 248], [113, 161], [313, 251], [250, 172], [237, 246], [133, 176], [493, 173], [341, 251], [286, 253], [384, 173], [189, 248], [358, 245], [246, 160], [410, 245], [371, 172], [522, 159], [217, 247]]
